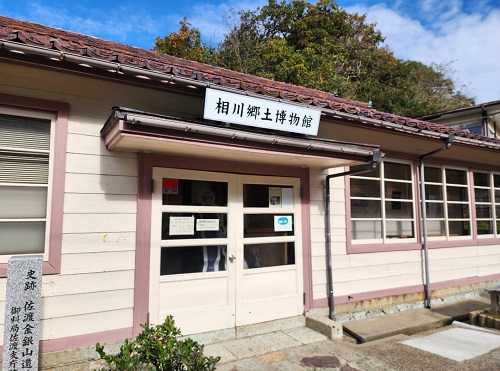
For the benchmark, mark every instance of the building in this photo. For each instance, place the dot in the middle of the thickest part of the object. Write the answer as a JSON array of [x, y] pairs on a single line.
[[153, 185], [481, 119]]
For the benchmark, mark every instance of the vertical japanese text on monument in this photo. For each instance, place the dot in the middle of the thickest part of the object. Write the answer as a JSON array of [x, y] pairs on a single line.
[[244, 110], [22, 313]]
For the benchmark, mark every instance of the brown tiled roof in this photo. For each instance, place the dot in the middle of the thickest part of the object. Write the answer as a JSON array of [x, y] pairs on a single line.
[[50, 38]]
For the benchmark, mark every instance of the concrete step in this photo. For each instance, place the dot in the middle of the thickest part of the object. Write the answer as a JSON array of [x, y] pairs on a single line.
[[412, 321]]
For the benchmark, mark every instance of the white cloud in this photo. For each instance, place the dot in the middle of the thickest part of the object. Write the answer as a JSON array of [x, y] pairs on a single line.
[[468, 41]]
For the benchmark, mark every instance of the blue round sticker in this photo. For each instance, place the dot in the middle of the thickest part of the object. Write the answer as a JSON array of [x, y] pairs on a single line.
[[283, 221]]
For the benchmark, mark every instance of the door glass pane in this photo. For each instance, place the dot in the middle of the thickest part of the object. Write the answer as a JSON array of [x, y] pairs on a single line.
[[497, 196], [192, 259], [268, 225], [365, 230], [399, 229], [23, 202], [22, 237], [189, 192], [262, 195], [365, 209], [397, 171], [269, 255], [496, 180], [175, 226]]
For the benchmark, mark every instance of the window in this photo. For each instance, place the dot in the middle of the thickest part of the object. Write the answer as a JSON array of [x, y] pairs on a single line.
[[382, 207], [32, 134], [487, 203], [24, 178], [447, 202]]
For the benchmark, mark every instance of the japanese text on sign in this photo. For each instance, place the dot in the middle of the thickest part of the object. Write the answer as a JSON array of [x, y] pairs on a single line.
[[256, 112], [22, 313]]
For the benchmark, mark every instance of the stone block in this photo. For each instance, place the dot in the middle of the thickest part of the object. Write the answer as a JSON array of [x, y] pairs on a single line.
[[324, 325]]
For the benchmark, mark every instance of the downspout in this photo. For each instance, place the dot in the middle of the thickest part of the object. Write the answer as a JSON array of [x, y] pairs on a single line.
[[447, 140], [374, 161]]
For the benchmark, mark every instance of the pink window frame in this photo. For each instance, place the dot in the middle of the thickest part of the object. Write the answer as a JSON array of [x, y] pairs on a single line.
[[61, 111]]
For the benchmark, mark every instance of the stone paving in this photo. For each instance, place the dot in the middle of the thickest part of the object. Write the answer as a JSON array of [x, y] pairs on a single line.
[[300, 349]]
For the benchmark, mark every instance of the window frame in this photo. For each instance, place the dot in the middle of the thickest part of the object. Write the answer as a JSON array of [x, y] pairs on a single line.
[[384, 199], [493, 203], [32, 107], [446, 203]]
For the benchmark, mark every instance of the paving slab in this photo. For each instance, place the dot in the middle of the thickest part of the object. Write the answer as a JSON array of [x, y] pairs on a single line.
[[412, 321]]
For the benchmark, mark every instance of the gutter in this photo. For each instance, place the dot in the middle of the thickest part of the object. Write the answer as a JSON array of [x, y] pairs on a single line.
[[447, 140], [373, 163]]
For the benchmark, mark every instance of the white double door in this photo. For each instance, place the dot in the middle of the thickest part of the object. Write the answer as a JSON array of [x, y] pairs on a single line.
[[225, 249]]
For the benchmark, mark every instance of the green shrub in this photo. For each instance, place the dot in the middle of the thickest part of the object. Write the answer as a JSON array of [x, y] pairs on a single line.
[[159, 348]]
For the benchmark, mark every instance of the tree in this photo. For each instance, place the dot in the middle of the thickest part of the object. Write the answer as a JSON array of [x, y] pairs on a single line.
[[186, 44], [321, 46]]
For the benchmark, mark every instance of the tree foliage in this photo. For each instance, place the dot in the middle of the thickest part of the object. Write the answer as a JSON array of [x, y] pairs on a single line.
[[321, 46]]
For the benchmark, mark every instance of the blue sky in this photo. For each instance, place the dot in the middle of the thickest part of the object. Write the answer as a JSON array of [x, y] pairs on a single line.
[[462, 33]]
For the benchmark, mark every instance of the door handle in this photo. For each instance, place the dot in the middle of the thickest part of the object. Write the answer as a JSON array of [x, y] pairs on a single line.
[[231, 258]]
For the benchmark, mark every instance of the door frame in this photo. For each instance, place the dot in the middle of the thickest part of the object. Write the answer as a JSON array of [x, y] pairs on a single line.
[[146, 162]]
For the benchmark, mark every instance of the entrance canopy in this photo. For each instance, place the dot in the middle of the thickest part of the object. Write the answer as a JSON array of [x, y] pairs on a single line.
[[137, 131]]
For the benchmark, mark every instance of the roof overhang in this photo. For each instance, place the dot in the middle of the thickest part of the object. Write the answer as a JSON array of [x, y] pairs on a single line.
[[137, 131]]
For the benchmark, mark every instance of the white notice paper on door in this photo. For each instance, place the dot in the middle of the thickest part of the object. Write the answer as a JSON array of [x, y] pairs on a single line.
[[181, 225]]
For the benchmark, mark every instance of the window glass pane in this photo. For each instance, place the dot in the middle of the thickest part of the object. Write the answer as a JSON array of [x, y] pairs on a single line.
[[482, 179], [264, 195], [435, 228], [398, 210], [365, 188], [432, 174], [458, 211], [24, 168], [482, 195], [177, 226], [194, 192], [459, 228], [267, 225], [23, 202], [497, 196], [399, 229], [457, 193], [398, 190], [397, 171], [269, 255], [365, 209], [485, 227], [496, 180], [484, 211], [434, 210], [363, 230], [433, 192], [24, 132], [22, 237], [192, 259], [456, 176], [370, 174]]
